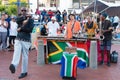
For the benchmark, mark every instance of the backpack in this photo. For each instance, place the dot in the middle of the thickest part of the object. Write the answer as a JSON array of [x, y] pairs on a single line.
[[114, 57]]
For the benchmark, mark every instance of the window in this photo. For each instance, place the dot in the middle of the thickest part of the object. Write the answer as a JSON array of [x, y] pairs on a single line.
[[52, 3]]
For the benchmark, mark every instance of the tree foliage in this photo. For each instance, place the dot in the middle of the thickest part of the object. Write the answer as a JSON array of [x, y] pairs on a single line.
[[2, 8], [11, 9], [0, 2]]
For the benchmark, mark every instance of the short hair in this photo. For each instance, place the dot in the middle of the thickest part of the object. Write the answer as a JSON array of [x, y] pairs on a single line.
[[104, 15], [71, 15]]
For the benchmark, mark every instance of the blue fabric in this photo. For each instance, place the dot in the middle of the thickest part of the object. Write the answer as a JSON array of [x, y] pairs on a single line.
[[81, 64], [62, 67]]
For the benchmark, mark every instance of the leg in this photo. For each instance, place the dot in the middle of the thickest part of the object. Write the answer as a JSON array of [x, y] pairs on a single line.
[[14, 39], [108, 55], [0, 38], [10, 41], [17, 53], [102, 51], [4, 38], [16, 56], [102, 56], [108, 47], [25, 51]]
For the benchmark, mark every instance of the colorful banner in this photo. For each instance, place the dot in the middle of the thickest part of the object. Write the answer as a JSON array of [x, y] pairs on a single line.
[[56, 49]]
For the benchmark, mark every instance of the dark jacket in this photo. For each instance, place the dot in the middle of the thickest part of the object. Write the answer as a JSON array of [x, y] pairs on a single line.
[[24, 33], [106, 25]]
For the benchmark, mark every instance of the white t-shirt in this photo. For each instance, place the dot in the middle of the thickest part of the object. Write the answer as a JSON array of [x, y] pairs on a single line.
[[2, 28], [36, 17], [52, 28], [116, 19], [13, 28]]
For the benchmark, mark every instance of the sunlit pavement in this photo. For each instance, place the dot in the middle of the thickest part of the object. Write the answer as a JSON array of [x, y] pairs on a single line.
[[52, 72]]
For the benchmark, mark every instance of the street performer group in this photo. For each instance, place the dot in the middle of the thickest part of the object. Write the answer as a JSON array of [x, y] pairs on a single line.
[[72, 27]]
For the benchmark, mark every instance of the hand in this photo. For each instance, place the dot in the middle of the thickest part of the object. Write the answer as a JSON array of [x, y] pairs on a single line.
[[2, 24], [18, 29], [102, 31]]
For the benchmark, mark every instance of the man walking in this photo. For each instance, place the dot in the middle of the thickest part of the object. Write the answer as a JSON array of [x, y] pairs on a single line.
[[22, 43]]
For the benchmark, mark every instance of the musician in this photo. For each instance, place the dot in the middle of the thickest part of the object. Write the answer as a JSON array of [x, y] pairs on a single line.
[[53, 27], [73, 27], [90, 27], [22, 42], [106, 30]]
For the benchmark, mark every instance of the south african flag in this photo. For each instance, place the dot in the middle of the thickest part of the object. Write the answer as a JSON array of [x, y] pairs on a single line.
[[56, 49]]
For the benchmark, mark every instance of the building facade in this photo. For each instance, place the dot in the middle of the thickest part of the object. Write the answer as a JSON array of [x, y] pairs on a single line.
[[62, 4]]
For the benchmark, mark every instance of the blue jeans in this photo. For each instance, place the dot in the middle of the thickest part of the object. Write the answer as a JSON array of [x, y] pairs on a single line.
[[106, 45], [3, 39], [21, 48]]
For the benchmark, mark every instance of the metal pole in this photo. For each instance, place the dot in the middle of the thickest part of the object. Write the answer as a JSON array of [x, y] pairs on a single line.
[[18, 6], [56, 4], [28, 3], [81, 9], [94, 6], [95, 9], [37, 4], [79, 3]]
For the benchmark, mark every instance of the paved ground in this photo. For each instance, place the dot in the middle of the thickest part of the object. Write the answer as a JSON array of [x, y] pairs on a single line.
[[51, 72]]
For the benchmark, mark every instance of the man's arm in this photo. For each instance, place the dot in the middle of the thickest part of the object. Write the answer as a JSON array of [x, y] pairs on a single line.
[[28, 27]]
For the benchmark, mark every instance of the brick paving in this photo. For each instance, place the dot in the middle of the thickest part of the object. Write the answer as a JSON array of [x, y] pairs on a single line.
[[51, 72]]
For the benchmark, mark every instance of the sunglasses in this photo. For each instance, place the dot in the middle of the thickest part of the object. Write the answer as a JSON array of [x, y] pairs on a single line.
[[23, 10]]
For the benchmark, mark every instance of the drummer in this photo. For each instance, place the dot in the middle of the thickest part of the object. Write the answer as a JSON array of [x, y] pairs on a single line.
[[90, 27]]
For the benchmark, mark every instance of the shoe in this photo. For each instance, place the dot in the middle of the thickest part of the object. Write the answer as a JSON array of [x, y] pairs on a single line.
[[22, 75], [101, 62], [12, 68], [108, 64]]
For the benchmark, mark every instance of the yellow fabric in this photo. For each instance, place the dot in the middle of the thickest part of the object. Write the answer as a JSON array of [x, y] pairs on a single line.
[[37, 29], [92, 30]]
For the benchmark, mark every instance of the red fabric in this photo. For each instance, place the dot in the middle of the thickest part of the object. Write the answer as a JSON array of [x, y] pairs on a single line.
[[74, 72], [99, 51], [50, 13]]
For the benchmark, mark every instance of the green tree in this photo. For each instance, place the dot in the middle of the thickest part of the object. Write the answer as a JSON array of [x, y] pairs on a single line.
[[2, 8], [11, 10], [23, 3], [0, 2]]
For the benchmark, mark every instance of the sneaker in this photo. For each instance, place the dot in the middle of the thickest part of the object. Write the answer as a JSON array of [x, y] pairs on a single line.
[[108, 64], [12, 68]]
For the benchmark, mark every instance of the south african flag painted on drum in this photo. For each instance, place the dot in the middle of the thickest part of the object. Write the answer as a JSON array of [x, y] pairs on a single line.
[[56, 49]]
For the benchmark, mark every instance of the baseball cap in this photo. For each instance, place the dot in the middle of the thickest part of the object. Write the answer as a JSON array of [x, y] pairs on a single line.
[[104, 15]]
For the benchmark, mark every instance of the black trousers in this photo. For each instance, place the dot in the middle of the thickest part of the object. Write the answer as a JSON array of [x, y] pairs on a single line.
[[12, 39]]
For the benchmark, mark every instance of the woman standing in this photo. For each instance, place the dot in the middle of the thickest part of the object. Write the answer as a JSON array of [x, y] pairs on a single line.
[[3, 32], [73, 27]]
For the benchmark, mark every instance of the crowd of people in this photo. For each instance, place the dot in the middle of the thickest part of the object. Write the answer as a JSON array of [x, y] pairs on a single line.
[[17, 31]]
